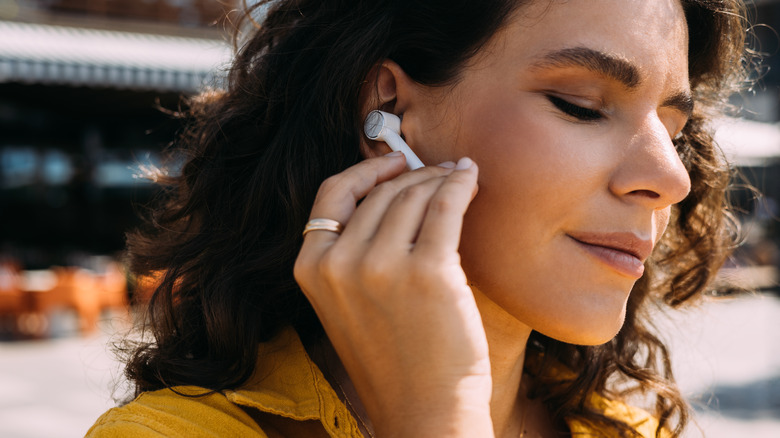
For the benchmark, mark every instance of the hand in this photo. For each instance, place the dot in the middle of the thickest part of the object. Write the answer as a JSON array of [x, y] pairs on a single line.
[[393, 298]]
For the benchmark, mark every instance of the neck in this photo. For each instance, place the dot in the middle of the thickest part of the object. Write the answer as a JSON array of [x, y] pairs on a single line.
[[507, 338], [324, 355]]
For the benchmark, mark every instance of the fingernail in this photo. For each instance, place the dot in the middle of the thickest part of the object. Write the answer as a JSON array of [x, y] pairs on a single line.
[[394, 154], [447, 164], [464, 163]]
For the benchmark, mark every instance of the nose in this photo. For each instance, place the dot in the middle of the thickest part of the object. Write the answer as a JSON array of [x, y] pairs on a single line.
[[651, 172]]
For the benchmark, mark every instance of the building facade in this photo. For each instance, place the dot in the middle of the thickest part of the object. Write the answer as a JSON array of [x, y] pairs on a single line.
[[84, 85]]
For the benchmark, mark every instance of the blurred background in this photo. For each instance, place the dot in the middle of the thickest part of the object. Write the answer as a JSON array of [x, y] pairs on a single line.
[[86, 93]]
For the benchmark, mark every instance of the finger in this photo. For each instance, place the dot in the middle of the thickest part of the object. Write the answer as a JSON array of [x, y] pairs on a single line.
[[338, 195], [441, 228], [367, 218], [401, 223]]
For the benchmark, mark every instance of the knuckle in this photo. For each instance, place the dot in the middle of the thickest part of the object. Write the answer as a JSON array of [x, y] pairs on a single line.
[[424, 276], [387, 188], [375, 268], [413, 193], [423, 269], [300, 270], [442, 204], [303, 269], [333, 265], [329, 185], [460, 178]]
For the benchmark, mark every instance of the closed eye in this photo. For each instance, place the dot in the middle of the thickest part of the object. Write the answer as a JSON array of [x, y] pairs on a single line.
[[576, 111]]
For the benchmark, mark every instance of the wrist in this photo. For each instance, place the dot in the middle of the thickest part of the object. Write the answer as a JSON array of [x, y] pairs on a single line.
[[461, 410], [455, 423]]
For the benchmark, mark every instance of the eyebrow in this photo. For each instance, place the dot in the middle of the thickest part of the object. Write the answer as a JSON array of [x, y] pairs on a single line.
[[682, 102], [605, 64], [611, 66]]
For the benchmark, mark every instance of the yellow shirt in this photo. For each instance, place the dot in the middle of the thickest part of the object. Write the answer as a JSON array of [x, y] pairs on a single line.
[[286, 397]]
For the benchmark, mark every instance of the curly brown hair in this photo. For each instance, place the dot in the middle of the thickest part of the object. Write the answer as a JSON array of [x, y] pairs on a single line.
[[226, 231]]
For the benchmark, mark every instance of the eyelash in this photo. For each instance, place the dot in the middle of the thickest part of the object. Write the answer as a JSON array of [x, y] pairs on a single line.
[[576, 111]]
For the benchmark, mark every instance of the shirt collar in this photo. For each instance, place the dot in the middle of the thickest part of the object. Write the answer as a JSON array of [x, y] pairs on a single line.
[[287, 382]]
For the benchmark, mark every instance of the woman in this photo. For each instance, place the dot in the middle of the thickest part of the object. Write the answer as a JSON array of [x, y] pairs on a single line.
[[499, 291]]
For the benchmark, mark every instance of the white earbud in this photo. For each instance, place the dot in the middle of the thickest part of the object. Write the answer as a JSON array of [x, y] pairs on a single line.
[[382, 126]]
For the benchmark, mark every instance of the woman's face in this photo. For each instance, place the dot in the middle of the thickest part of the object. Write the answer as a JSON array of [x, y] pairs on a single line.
[[569, 112]]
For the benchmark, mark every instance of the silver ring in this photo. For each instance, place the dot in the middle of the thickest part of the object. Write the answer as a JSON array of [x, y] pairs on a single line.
[[321, 224]]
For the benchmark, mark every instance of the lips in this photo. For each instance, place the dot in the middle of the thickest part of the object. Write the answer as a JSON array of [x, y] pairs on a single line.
[[621, 251]]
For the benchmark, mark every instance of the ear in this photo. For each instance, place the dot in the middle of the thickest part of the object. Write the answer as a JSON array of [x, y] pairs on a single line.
[[387, 87]]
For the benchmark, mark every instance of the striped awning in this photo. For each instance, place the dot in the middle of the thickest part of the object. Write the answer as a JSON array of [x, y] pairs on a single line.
[[36, 53]]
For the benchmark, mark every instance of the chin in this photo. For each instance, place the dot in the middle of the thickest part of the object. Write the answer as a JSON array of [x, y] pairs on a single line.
[[590, 339], [588, 329]]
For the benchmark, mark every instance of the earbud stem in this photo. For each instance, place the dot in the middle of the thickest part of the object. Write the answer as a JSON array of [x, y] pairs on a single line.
[[396, 143]]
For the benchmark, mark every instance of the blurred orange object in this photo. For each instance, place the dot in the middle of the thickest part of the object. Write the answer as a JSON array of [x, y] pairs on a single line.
[[83, 291], [11, 298]]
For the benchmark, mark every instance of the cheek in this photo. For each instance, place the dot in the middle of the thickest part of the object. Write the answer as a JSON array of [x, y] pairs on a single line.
[[526, 188], [525, 156], [540, 177]]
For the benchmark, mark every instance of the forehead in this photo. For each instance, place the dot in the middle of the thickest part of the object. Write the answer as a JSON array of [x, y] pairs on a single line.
[[651, 35]]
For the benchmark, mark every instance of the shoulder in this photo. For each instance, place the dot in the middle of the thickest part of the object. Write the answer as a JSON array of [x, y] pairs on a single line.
[[642, 422], [177, 412], [286, 396]]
